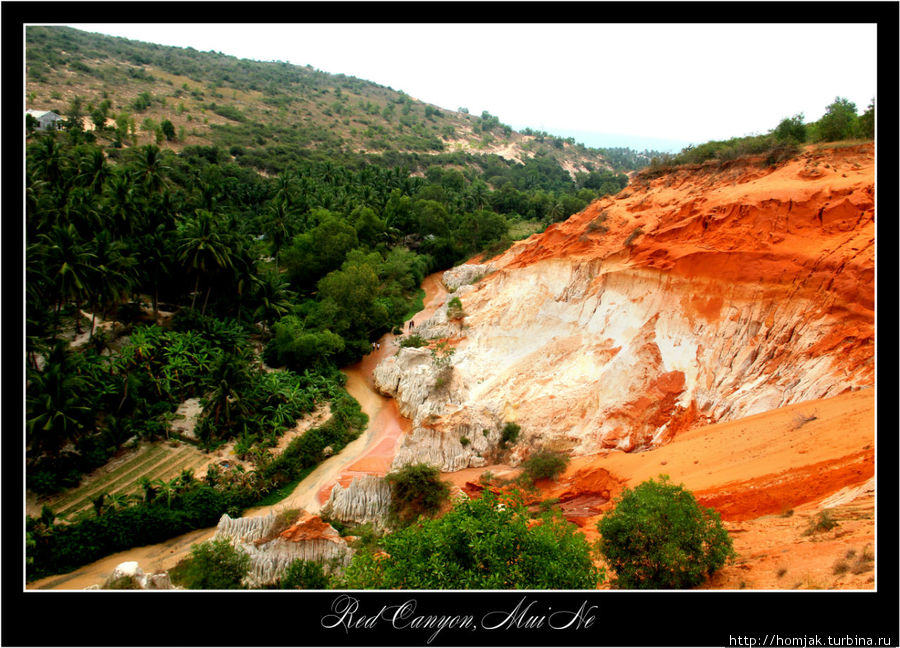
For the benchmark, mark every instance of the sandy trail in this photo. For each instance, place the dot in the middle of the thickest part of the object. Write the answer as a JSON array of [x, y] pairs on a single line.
[[371, 453]]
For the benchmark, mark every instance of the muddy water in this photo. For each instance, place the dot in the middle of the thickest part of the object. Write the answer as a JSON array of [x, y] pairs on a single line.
[[371, 453]]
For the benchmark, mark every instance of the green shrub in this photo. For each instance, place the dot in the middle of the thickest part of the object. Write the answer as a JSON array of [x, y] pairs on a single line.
[[510, 433], [415, 341], [455, 309], [545, 465], [216, 565], [304, 575], [416, 490], [487, 543], [658, 537], [839, 121], [791, 129], [637, 231], [821, 523]]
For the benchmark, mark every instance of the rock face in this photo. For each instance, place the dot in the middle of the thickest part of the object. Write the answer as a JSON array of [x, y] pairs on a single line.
[[704, 295], [465, 274], [365, 500], [271, 550], [129, 575], [427, 394]]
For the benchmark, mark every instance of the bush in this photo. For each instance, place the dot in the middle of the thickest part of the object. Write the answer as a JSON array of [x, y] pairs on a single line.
[[821, 523], [791, 129], [545, 465], [455, 309], [510, 433], [658, 537], [216, 565], [416, 490], [839, 121], [304, 575], [415, 341], [487, 543]]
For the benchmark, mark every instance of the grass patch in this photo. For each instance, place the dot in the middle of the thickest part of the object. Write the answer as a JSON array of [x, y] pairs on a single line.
[[128, 483], [823, 522], [523, 229], [71, 496], [864, 561], [417, 305], [278, 494], [414, 340], [597, 225]]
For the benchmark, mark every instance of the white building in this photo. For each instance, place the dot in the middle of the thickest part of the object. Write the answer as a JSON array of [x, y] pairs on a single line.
[[46, 118]]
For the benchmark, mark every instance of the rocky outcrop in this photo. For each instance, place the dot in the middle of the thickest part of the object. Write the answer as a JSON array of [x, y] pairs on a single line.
[[365, 500], [273, 549], [130, 576], [465, 274], [705, 295]]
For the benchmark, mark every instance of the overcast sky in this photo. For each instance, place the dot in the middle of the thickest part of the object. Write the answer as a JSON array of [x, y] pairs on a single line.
[[639, 85]]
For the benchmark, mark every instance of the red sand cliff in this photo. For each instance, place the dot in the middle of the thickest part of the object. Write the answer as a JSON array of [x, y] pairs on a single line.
[[770, 271], [793, 245]]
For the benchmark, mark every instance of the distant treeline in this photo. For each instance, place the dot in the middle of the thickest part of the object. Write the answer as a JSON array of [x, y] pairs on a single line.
[[840, 122]]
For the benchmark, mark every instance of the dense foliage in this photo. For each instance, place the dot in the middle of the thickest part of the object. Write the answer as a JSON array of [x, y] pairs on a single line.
[[416, 490], [304, 575], [840, 122], [184, 504], [310, 261], [545, 464], [216, 565], [659, 537], [487, 543]]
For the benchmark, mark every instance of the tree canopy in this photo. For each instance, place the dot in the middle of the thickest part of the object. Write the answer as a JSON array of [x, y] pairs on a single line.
[[658, 537], [490, 542]]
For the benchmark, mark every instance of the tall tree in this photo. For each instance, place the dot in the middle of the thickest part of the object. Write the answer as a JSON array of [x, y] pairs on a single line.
[[204, 248], [69, 264]]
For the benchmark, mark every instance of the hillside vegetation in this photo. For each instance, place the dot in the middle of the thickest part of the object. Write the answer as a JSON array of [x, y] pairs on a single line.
[[841, 122], [268, 115], [164, 263]]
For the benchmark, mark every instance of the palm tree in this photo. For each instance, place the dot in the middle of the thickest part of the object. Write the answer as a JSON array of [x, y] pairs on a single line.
[[98, 503], [149, 488], [556, 211], [120, 500], [93, 171], [69, 264], [203, 249], [169, 489], [281, 227], [122, 208], [230, 376], [155, 257], [273, 298], [149, 171], [112, 275], [56, 407], [47, 158]]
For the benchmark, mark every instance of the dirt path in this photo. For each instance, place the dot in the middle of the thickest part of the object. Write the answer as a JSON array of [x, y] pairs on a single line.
[[370, 453]]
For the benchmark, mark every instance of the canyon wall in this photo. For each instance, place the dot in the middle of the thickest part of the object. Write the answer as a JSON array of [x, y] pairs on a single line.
[[704, 295], [272, 548]]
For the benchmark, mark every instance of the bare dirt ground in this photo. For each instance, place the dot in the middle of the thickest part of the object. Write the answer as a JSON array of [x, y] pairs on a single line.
[[769, 476]]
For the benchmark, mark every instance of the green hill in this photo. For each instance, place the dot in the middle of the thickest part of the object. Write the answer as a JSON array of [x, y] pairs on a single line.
[[269, 114]]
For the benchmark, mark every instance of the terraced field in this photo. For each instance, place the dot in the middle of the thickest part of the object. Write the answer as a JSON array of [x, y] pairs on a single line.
[[154, 461]]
